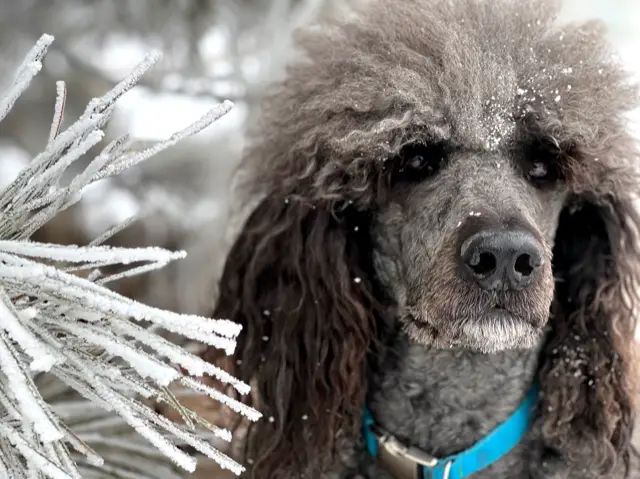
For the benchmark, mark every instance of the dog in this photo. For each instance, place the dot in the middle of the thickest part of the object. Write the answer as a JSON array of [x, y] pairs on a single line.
[[439, 275]]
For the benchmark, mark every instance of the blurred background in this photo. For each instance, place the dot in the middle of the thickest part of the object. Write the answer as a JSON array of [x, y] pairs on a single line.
[[213, 50]]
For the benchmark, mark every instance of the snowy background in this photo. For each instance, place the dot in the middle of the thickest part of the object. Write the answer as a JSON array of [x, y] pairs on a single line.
[[214, 50]]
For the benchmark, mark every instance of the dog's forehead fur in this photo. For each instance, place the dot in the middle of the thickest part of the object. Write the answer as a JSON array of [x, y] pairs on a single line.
[[403, 71]]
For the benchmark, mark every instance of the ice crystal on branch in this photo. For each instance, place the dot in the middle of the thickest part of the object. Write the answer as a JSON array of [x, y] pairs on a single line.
[[61, 328]]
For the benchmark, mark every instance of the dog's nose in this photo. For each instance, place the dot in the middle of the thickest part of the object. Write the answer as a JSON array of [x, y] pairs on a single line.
[[502, 260]]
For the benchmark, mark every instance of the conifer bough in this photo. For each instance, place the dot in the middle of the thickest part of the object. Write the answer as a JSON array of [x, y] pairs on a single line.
[[62, 329]]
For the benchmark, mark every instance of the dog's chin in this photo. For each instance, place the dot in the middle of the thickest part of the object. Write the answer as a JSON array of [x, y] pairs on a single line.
[[495, 330]]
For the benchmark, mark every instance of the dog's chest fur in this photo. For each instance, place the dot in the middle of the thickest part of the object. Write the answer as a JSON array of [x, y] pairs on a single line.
[[444, 401]]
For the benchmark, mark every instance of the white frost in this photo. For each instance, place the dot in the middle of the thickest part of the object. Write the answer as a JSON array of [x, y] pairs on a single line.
[[57, 315]]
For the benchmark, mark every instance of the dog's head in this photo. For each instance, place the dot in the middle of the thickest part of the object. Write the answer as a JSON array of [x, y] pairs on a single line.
[[463, 167], [463, 241]]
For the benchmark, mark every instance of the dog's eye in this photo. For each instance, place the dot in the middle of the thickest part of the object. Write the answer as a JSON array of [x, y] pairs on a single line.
[[542, 165], [539, 170], [419, 161], [543, 173]]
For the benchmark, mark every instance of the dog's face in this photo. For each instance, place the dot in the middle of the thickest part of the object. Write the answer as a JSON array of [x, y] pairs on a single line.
[[463, 243]]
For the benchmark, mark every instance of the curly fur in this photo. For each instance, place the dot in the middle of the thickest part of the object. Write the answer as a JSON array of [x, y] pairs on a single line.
[[330, 275]]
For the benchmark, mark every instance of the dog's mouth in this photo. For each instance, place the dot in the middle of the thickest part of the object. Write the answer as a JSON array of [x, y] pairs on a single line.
[[492, 328], [498, 313], [499, 310], [496, 309]]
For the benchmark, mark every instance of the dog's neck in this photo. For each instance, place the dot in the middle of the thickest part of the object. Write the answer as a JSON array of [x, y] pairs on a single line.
[[444, 401]]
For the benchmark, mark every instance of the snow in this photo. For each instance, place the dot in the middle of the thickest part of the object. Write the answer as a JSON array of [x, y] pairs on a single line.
[[231, 403], [146, 365], [215, 332], [29, 69], [22, 388], [195, 365], [35, 458], [43, 357]]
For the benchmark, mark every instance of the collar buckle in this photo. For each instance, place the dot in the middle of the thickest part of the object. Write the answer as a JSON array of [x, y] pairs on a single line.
[[413, 453], [406, 461]]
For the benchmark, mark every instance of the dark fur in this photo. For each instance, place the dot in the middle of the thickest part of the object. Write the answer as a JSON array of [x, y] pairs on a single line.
[[344, 276]]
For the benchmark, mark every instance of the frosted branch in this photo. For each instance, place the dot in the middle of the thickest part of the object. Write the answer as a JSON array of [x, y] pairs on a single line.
[[63, 330], [29, 69]]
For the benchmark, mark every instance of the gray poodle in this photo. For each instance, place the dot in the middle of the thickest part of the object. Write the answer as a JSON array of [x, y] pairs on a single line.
[[439, 279]]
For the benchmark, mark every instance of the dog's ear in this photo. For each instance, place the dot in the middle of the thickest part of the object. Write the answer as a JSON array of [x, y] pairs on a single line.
[[294, 280], [588, 367]]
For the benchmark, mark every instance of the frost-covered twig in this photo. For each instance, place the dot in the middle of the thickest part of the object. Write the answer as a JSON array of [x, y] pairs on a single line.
[[62, 329], [29, 69]]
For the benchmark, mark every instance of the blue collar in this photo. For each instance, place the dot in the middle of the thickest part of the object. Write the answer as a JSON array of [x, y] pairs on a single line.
[[485, 452]]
